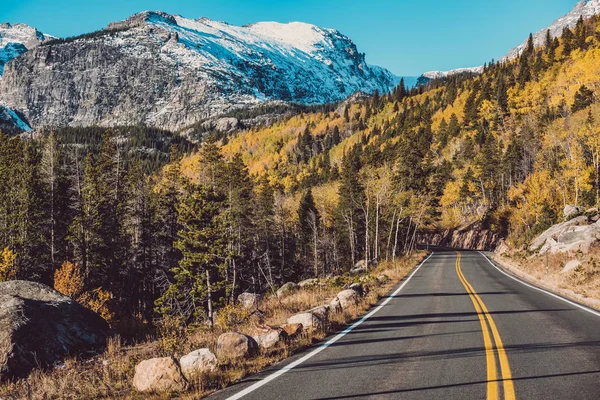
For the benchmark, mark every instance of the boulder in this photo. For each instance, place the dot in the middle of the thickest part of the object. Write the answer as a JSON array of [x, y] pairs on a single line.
[[39, 327], [287, 289], [571, 210], [571, 266], [357, 271], [382, 279], [358, 288], [197, 363], [309, 283], [321, 311], [570, 236], [234, 346], [159, 375], [348, 298], [307, 319], [271, 338], [249, 300], [292, 330], [336, 305]]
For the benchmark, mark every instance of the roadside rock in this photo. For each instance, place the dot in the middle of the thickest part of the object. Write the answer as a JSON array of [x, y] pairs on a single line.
[[159, 375], [249, 300], [570, 236], [348, 298], [287, 289], [292, 330], [571, 266], [40, 327], [336, 305], [358, 288], [198, 362], [357, 271], [271, 338], [307, 319], [321, 311], [233, 346]]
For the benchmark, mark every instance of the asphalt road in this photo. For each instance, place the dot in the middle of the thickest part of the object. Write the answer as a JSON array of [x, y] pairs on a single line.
[[458, 329]]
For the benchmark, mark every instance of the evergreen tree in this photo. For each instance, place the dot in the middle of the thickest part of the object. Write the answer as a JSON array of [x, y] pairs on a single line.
[[583, 99]]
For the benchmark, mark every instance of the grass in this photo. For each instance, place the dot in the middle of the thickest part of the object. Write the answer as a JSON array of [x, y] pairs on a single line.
[[581, 284], [109, 375]]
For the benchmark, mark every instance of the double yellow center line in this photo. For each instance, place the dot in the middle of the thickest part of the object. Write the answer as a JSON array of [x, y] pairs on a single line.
[[484, 315]]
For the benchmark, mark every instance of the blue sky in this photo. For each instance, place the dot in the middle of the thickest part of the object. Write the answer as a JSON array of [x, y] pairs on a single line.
[[406, 36]]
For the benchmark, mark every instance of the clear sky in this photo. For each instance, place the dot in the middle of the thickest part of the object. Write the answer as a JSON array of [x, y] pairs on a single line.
[[408, 37]]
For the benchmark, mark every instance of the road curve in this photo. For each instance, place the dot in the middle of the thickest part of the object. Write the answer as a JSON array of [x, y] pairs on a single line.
[[459, 328]]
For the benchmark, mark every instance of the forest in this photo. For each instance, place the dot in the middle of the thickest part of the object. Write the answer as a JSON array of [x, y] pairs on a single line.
[[183, 229]]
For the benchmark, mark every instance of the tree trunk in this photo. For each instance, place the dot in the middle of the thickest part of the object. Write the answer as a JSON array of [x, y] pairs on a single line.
[[209, 299]]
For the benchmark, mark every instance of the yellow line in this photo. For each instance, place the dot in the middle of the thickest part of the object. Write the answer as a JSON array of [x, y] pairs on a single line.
[[492, 377], [509, 389]]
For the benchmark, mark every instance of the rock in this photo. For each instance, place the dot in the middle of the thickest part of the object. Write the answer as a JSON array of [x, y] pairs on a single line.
[[308, 283], [382, 279], [159, 375], [287, 289], [233, 346], [571, 210], [360, 264], [307, 319], [570, 236], [348, 298], [571, 266], [197, 363], [358, 288], [357, 271], [249, 300], [292, 330], [321, 311], [336, 305], [271, 338], [40, 327]]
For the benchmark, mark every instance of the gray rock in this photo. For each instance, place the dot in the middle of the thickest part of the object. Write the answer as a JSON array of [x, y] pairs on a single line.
[[308, 320], [348, 298], [321, 311], [571, 210], [336, 305], [358, 288], [271, 338], [575, 234], [249, 300], [234, 346], [287, 289], [308, 283], [197, 363], [159, 375], [40, 327]]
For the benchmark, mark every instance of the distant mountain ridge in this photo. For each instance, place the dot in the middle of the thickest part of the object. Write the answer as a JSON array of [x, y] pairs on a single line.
[[584, 8], [169, 71]]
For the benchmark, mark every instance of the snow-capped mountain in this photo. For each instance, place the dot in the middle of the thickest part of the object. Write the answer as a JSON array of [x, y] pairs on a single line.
[[169, 71], [584, 8], [445, 74], [17, 39]]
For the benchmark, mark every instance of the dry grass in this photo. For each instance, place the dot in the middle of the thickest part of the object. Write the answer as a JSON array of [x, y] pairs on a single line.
[[109, 376], [582, 283]]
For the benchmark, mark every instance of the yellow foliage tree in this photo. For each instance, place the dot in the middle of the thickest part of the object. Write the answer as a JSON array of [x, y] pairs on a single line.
[[8, 266], [68, 280]]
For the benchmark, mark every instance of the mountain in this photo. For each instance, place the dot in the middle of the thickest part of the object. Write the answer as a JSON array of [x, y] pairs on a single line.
[[168, 71], [431, 75], [584, 8], [17, 39]]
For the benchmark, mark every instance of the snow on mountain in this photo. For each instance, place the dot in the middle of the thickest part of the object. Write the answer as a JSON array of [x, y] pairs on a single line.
[[584, 8], [169, 71], [445, 74], [17, 39]]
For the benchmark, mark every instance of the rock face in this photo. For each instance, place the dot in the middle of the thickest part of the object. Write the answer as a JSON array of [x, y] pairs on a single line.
[[170, 72], [570, 211], [198, 362], [570, 236], [234, 346], [40, 327], [159, 375], [473, 237], [17, 39]]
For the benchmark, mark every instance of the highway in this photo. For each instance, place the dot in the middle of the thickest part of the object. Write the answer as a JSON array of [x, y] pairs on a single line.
[[457, 328]]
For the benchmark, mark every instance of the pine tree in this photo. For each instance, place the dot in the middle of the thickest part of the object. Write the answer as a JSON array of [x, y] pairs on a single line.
[[583, 99]]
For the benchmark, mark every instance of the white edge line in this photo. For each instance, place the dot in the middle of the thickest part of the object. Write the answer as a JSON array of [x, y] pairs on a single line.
[[584, 308], [331, 341]]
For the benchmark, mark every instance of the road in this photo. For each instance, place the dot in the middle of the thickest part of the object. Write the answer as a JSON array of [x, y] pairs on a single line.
[[457, 329]]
